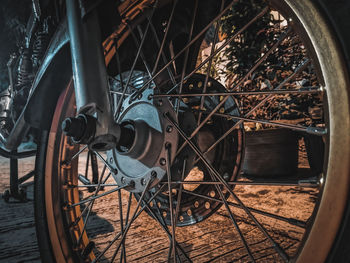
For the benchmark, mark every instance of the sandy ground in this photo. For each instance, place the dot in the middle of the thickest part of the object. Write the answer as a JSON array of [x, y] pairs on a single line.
[[148, 243]]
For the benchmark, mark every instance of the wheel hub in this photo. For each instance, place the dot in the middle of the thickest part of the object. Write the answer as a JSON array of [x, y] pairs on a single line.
[[141, 156]]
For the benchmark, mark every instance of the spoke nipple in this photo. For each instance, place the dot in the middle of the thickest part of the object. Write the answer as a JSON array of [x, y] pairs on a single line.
[[169, 129], [162, 161], [66, 206], [65, 164]]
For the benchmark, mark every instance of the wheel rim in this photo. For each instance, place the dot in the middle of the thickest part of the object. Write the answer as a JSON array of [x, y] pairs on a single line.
[[205, 206]]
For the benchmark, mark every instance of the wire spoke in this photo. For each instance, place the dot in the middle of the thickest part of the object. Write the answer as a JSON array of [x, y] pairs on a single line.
[[179, 193], [135, 215], [312, 130], [136, 94], [184, 66], [234, 221], [291, 221], [163, 225], [67, 162], [278, 249], [161, 48], [120, 103], [216, 34], [243, 93], [91, 204], [227, 42], [310, 183], [301, 67], [111, 169], [257, 64], [123, 254], [91, 198], [168, 169]]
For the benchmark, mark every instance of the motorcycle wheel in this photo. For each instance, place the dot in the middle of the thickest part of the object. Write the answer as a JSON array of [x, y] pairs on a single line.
[[214, 212]]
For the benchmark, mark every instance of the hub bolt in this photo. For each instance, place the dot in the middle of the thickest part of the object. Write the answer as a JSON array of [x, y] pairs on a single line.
[[154, 174], [162, 161]]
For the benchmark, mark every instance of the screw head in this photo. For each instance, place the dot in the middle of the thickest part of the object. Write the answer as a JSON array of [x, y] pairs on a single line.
[[169, 129], [139, 96], [123, 180], [143, 181], [154, 174], [160, 103], [226, 176], [162, 161]]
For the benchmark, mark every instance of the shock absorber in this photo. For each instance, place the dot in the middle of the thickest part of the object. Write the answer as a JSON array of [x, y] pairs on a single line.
[[42, 39], [23, 82], [24, 69]]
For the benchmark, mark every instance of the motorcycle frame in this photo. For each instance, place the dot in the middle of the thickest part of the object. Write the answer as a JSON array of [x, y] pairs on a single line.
[[76, 42]]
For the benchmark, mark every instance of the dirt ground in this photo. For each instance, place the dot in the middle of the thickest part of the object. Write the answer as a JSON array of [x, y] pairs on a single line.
[[148, 243]]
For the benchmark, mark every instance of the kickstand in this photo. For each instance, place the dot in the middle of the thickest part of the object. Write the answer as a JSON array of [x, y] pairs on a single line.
[[17, 187]]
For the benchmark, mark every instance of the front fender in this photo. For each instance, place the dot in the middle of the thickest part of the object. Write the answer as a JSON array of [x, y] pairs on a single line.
[[52, 77]]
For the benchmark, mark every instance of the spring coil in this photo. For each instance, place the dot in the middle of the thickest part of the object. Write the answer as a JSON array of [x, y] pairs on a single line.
[[39, 47], [24, 69]]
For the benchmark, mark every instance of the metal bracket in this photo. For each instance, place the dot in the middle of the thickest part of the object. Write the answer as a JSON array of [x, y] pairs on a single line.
[[18, 186]]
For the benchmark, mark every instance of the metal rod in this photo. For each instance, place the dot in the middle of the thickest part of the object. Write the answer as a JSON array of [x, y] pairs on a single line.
[[300, 183], [260, 104], [216, 35], [261, 60], [89, 199], [168, 170], [278, 249], [164, 38], [135, 95], [313, 130], [291, 221], [238, 93], [234, 221]]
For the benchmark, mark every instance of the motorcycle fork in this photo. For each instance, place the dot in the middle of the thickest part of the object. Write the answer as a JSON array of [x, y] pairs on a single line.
[[95, 117]]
